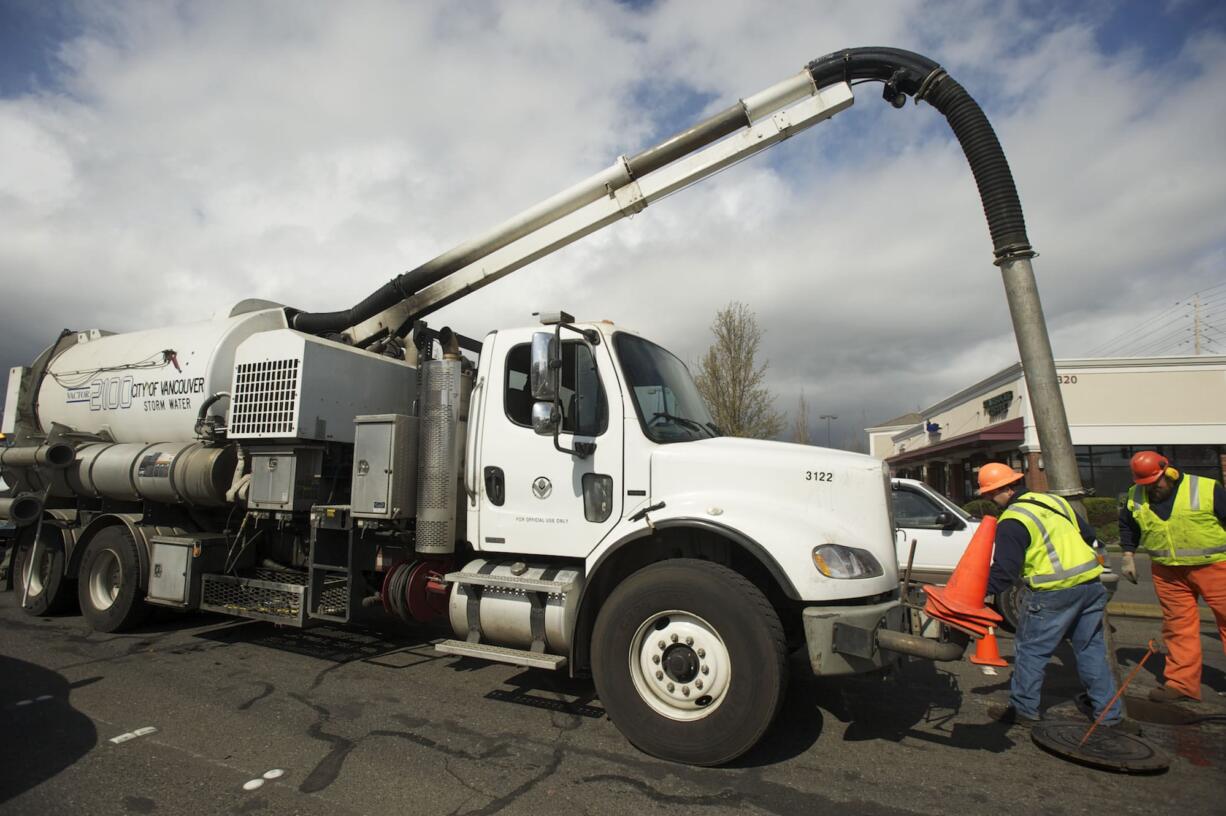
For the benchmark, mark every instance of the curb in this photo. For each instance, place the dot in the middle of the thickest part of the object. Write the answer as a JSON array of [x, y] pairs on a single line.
[[1138, 610]]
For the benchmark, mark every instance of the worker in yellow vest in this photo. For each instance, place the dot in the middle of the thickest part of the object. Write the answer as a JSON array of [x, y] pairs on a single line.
[[1180, 521], [1040, 538]]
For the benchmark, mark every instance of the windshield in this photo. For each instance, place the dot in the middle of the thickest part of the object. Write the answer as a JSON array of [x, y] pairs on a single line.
[[669, 406]]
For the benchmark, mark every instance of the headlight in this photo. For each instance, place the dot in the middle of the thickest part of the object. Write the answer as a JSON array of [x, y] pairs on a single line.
[[837, 561]]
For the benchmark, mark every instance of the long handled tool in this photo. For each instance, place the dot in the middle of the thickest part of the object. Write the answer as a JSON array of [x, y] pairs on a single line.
[[1150, 650]]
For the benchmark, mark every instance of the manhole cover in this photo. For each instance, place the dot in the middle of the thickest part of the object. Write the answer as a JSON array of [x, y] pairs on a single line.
[[1106, 748]]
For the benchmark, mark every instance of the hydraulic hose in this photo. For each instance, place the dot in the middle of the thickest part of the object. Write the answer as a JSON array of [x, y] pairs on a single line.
[[908, 74]]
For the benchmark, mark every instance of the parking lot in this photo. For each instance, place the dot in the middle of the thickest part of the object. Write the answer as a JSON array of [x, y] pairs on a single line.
[[343, 721]]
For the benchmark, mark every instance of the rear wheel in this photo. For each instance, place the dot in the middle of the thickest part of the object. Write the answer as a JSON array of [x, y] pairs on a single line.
[[108, 583], [42, 582], [689, 661]]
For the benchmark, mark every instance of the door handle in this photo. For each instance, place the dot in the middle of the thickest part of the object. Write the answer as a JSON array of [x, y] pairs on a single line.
[[495, 486]]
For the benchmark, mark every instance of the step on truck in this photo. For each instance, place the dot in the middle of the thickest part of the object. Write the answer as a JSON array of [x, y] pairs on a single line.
[[557, 493]]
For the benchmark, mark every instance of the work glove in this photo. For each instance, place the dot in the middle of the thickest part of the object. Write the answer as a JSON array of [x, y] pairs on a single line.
[[1130, 567]]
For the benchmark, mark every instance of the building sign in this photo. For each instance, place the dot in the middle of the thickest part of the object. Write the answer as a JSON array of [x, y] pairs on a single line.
[[996, 407]]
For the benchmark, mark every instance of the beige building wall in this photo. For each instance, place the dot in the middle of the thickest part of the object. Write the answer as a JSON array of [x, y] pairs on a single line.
[[1130, 401]]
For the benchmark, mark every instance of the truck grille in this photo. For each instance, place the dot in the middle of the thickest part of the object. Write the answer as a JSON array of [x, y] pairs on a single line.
[[265, 401]]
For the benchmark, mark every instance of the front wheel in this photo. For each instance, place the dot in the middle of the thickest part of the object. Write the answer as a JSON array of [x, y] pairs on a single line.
[[108, 585], [689, 660]]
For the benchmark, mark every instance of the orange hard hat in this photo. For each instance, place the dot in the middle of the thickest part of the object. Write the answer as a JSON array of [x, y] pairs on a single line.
[[995, 475], [1147, 466]]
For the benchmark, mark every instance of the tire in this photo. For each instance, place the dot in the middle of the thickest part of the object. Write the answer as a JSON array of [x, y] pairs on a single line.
[[108, 583], [51, 591], [738, 657]]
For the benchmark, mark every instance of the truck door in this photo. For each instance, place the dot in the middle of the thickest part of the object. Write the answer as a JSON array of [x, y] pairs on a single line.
[[532, 496]]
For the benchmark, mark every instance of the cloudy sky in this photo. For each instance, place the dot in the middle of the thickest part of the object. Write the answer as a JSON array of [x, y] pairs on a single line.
[[159, 161]]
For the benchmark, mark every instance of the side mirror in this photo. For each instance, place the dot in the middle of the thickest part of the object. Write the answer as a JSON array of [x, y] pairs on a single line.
[[545, 370], [545, 420], [944, 518]]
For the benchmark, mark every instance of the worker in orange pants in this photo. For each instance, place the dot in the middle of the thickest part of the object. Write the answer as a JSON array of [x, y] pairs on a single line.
[[1180, 520], [1178, 588]]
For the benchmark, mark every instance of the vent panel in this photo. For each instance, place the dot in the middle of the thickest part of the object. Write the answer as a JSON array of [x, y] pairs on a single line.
[[265, 401]]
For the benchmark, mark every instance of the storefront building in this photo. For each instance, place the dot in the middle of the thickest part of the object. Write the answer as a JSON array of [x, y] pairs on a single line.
[[1115, 407]]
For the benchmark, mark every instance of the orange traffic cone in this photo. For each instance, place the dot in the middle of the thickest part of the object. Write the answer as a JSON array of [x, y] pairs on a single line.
[[986, 651], [960, 602]]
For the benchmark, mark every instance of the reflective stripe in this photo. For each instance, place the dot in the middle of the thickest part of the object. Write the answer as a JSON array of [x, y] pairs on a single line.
[[1192, 553], [1194, 492], [1057, 568], [1047, 579]]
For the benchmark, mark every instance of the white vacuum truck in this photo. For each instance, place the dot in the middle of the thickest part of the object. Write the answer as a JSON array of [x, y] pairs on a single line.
[[560, 494]]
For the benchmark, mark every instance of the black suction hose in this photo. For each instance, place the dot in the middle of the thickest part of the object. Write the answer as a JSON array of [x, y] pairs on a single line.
[[904, 73], [910, 74]]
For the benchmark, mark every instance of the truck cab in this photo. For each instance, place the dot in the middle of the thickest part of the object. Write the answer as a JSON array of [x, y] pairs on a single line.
[[699, 557], [636, 451]]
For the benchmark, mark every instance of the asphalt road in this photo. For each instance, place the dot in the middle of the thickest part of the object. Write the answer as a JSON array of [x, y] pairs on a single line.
[[360, 722]]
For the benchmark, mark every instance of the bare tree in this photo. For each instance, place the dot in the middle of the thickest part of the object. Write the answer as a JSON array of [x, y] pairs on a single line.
[[730, 379], [800, 423]]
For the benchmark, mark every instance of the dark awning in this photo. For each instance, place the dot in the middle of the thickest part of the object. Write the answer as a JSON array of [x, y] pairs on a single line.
[[1014, 430]]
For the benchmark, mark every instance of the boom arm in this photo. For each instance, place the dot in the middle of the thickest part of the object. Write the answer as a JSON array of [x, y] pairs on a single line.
[[612, 195]]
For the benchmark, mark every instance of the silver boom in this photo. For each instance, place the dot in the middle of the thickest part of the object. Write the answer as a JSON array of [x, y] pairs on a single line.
[[621, 190]]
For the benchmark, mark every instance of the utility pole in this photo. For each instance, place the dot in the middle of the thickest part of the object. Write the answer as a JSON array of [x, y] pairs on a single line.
[[829, 418], [1196, 325]]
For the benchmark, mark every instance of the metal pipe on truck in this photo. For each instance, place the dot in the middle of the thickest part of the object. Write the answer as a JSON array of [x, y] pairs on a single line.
[[21, 510], [56, 455]]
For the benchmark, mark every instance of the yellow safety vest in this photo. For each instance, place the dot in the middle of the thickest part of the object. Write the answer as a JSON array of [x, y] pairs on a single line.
[[1058, 557], [1192, 535]]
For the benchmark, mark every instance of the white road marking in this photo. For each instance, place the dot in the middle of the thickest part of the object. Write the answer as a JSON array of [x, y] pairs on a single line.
[[275, 773], [252, 784], [24, 702], [140, 732]]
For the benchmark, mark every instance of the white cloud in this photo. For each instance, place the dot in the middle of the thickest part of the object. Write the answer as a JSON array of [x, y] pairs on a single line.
[[195, 154]]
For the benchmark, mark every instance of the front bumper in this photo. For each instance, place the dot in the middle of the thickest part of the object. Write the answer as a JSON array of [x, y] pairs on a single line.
[[843, 639], [857, 639]]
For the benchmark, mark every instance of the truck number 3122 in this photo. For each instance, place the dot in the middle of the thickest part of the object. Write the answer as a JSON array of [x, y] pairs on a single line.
[[819, 476]]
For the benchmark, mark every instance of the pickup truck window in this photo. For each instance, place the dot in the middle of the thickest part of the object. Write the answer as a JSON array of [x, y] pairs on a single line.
[[668, 404], [585, 411], [912, 509]]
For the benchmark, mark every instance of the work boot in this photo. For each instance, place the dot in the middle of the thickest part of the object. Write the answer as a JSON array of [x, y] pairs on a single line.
[[1125, 726], [1008, 715], [1166, 694]]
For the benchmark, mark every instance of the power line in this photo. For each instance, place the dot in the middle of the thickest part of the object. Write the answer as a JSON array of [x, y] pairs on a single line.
[[1191, 316]]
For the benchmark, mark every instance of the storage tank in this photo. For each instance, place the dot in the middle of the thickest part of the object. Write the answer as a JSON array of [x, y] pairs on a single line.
[[147, 386]]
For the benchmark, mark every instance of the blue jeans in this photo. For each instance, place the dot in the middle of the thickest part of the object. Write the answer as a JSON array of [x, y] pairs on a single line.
[[1048, 617]]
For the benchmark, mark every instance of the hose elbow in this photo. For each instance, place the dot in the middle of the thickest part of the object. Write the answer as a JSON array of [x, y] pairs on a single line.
[[905, 73]]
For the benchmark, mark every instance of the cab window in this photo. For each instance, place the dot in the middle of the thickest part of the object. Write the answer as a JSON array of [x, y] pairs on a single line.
[[585, 410], [914, 510]]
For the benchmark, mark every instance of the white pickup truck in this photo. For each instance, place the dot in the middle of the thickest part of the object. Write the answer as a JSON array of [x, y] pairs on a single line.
[[941, 531]]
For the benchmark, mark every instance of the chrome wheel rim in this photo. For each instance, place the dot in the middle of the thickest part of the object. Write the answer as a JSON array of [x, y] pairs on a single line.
[[680, 665], [105, 578]]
